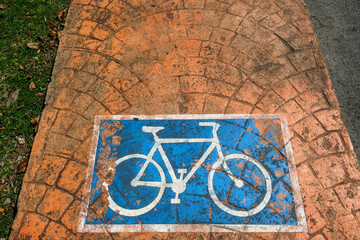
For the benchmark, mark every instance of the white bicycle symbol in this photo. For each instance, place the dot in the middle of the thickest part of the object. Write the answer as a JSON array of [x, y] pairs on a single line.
[[179, 185]]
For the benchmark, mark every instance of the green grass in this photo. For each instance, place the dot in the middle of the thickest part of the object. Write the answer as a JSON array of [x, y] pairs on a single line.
[[22, 22]]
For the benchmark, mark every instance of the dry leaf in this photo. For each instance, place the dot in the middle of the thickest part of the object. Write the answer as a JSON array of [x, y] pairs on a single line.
[[2, 186], [39, 94], [28, 76], [22, 67], [33, 45], [60, 14], [2, 210], [35, 121], [2, 6], [7, 201], [59, 34], [20, 140], [52, 43], [1, 114], [32, 86], [12, 96], [22, 166], [38, 51], [53, 33]]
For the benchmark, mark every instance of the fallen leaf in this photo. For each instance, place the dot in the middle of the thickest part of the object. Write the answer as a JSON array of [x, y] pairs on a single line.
[[38, 51], [1, 114], [7, 201], [22, 166], [59, 34], [33, 45], [22, 67], [2, 6], [28, 17], [60, 14], [13, 96], [2, 186], [53, 33], [39, 94], [20, 140], [35, 121], [28, 76], [32, 86], [2, 210], [52, 43]]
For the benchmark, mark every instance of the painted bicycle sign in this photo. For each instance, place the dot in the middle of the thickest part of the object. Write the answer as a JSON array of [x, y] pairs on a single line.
[[178, 185], [192, 173]]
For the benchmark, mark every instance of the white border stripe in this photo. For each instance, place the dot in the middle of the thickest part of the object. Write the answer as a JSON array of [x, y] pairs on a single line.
[[192, 228], [88, 180], [299, 207]]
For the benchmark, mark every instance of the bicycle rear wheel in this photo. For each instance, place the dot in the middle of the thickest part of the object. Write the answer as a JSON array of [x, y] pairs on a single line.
[[232, 205], [129, 200]]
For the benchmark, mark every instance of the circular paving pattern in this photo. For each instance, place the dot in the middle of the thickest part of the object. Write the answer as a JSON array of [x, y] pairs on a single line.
[[188, 57]]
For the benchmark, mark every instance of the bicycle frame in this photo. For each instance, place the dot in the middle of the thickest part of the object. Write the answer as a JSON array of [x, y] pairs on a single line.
[[179, 184]]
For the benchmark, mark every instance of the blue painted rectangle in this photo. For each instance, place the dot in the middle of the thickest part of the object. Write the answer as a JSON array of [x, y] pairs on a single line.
[[143, 173]]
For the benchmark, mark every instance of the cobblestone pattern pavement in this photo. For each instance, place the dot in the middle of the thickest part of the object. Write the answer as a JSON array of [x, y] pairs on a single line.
[[189, 57]]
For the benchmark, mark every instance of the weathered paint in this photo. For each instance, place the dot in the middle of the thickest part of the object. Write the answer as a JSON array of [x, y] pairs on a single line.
[[184, 175]]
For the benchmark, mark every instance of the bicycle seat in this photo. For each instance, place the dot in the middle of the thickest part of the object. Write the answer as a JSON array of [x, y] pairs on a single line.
[[150, 129]]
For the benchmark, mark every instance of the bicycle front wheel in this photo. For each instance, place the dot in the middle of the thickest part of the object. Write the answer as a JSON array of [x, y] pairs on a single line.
[[131, 200], [239, 185]]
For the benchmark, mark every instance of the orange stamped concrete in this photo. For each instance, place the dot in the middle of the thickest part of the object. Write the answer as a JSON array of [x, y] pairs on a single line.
[[189, 57]]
